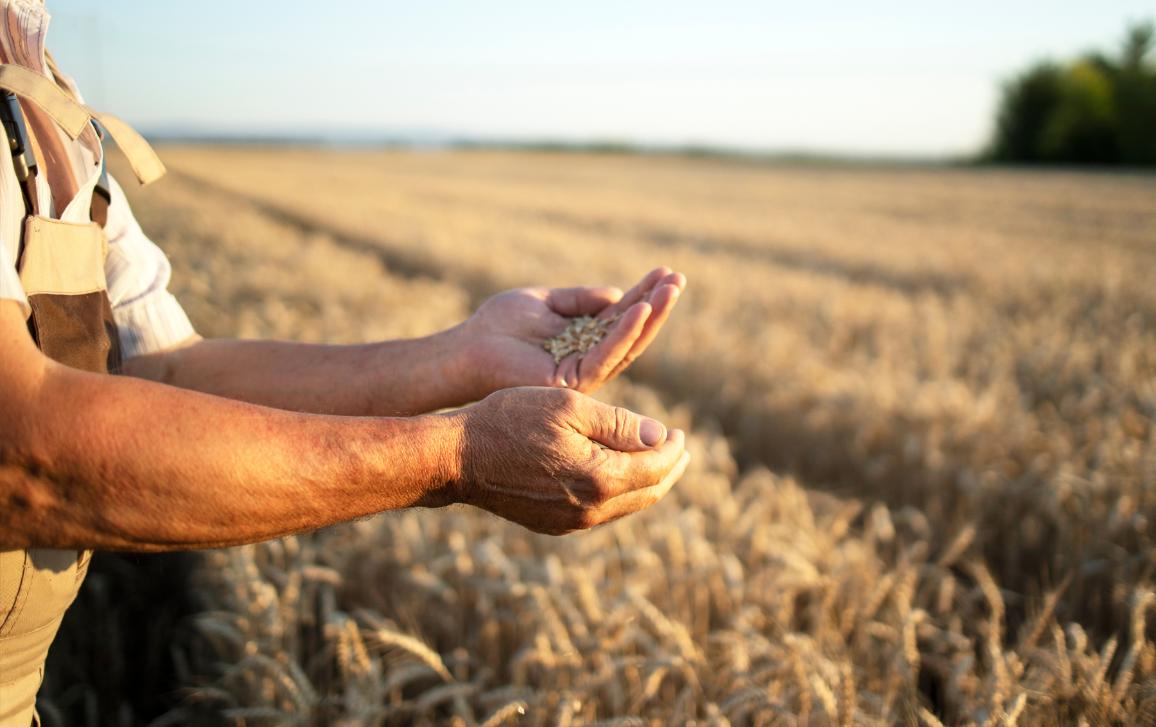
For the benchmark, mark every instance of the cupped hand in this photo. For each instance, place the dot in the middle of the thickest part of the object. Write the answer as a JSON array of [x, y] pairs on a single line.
[[556, 461], [503, 340]]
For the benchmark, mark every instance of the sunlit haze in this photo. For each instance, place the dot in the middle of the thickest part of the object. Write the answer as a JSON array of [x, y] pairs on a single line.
[[883, 78]]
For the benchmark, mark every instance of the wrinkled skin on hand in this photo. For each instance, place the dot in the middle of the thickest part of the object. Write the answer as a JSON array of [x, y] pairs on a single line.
[[556, 461], [503, 340]]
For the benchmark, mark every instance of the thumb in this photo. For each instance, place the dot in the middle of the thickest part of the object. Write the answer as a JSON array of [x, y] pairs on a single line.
[[621, 429]]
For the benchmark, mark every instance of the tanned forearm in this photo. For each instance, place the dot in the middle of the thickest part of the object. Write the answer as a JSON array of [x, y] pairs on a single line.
[[391, 378], [101, 462]]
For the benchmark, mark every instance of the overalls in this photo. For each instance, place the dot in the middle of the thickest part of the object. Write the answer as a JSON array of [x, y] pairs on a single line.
[[61, 266]]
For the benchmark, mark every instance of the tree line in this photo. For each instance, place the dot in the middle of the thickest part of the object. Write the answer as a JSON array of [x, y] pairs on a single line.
[[1096, 109]]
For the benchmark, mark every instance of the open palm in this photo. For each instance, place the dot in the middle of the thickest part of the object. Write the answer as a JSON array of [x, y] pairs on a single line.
[[504, 338]]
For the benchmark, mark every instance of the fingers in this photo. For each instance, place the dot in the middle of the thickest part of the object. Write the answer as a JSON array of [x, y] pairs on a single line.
[[599, 363], [630, 481], [555, 518], [566, 374], [636, 500], [628, 337], [662, 303], [638, 470], [617, 428], [535, 459], [608, 301], [638, 293], [678, 280], [581, 301]]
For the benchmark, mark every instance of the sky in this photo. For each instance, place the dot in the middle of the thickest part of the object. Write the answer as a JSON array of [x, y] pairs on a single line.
[[867, 78]]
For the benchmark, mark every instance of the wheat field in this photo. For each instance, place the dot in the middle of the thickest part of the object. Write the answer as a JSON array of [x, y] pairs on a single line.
[[920, 401]]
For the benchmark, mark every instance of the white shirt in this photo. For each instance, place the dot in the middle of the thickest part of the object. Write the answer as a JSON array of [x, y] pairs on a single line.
[[148, 316]]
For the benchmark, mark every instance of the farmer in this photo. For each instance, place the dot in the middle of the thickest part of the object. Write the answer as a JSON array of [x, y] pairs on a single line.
[[195, 443]]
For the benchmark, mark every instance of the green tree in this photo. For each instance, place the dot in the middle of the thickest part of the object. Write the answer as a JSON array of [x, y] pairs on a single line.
[[1135, 91], [1028, 103], [1094, 110]]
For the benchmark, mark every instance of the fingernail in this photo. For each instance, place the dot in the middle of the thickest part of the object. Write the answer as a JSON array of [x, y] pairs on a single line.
[[650, 432]]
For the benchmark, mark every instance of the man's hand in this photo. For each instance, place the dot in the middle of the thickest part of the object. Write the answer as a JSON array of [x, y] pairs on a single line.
[[502, 343], [500, 346], [556, 461]]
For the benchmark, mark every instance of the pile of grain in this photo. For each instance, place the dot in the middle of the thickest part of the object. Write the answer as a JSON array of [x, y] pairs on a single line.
[[582, 334]]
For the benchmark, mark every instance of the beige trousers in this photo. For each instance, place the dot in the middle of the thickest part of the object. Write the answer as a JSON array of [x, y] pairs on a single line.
[[36, 587]]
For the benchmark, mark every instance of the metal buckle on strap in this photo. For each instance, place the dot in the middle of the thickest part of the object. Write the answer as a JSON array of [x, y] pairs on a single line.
[[20, 146], [102, 187]]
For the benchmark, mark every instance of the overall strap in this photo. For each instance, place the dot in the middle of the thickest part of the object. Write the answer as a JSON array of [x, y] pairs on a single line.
[[43, 91], [72, 116], [145, 163]]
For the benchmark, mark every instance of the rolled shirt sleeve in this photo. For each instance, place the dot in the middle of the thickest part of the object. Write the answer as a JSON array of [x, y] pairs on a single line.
[[148, 316], [10, 288], [11, 219]]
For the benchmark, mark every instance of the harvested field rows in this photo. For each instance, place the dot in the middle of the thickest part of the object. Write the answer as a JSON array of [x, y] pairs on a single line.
[[952, 375]]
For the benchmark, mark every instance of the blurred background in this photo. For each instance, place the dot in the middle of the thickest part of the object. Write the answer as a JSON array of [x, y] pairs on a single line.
[[920, 385], [886, 80]]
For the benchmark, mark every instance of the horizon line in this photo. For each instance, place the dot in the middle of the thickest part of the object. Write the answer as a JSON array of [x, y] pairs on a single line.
[[431, 139]]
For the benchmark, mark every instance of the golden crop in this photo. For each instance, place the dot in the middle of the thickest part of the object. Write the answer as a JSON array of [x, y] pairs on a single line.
[[921, 404], [582, 334]]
